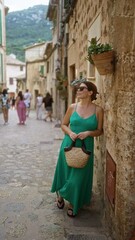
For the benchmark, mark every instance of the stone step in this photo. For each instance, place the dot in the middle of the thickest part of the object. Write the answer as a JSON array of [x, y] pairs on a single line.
[[86, 237]]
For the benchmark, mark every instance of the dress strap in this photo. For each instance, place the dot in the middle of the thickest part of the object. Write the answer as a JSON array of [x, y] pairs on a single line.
[[75, 107], [95, 108]]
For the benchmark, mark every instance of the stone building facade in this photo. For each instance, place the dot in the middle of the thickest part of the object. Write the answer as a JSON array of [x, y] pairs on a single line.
[[35, 70], [51, 65], [112, 22], [55, 60], [21, 83], [14, 69], [3, 12]]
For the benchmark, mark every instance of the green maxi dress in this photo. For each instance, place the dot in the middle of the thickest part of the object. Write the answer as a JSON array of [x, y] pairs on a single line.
[[75, 185]]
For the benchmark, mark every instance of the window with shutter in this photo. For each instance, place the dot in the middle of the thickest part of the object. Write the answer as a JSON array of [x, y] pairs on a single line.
[[1, 68], [21, 68], [42, 70], [0, 28], [47, 67], [11, 81]]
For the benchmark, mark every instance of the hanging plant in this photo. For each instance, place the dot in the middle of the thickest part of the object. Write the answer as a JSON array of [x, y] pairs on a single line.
[[61, 78], [59, 86], [63, 93], [101, 55]]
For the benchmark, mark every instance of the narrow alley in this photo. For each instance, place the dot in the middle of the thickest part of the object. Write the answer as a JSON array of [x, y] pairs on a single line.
[[28, 211]]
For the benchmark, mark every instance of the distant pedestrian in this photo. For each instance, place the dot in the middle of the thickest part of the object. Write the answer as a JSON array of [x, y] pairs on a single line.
[[5, 103], [27, 100], [39, 103], [21, 108], [13, 103], [48, 101]]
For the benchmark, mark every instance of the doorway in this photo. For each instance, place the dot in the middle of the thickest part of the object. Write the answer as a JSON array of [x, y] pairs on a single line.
[[72, 77], [36, 92]]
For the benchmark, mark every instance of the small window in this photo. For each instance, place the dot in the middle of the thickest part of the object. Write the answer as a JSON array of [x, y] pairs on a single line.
[[91, 70], [1, 68], [41, 70], [11, 81], [47, 67], [21, 68], [0, 27]]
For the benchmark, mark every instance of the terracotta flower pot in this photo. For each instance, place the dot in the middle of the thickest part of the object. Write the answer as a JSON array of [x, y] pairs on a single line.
[[104, 62], [65, 83]]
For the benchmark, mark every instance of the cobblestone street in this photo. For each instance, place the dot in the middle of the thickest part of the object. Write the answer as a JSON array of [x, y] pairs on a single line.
[[28, 211]]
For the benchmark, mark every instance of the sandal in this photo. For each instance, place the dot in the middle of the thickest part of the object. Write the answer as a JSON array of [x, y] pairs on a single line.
[[60, 204], [70, 212]]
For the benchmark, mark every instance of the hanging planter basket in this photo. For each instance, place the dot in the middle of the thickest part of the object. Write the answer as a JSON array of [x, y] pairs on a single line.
[[104, 62]]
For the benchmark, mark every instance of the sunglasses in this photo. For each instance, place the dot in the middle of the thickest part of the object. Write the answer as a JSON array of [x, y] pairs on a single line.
[[80, 89]]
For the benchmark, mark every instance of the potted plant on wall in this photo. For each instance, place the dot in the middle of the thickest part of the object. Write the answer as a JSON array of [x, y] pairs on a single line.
[[61, 84], [62, 79], [102, 56]]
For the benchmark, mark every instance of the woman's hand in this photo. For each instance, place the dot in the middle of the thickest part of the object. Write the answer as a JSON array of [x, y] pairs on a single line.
[[73, 136], [83, 135]]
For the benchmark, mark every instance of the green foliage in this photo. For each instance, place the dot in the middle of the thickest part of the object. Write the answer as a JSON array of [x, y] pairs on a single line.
[[26, 27], [97, 48], [60, 77]]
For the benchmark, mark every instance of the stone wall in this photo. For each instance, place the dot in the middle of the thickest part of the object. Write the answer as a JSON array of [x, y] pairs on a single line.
[[117, 96], [2, 46], [35, 83], [122, 33]]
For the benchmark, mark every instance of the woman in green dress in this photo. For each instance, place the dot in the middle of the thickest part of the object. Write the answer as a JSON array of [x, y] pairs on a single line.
[[82, 121]]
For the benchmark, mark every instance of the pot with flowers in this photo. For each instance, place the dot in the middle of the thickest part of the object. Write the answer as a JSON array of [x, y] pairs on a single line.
[[102, 56]]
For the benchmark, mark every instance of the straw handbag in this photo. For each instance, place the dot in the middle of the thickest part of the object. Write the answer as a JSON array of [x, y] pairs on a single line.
[[76, 157]]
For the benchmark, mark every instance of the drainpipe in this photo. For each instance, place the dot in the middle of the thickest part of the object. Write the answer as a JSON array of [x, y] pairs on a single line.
[[66, 38]]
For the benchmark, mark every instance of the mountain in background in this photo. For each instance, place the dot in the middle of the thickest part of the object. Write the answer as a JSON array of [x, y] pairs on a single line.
[[26, 27]]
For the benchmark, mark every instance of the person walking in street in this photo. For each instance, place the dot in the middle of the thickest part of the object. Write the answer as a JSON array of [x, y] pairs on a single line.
[[39, 102], [13, 103], [82, 121], [21, 108], [27, 100], [48, 101], [5, 103]]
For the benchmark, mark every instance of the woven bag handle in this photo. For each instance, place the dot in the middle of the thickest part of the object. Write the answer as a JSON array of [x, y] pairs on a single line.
[[83, 143], [66, 149]]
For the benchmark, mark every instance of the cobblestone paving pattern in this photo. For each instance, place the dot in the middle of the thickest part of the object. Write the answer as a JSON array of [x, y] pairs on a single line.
[[28, 211]]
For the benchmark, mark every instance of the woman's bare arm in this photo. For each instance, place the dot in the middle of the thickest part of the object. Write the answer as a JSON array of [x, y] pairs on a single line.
[[100, 116], [17, 100], [65, 123]]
